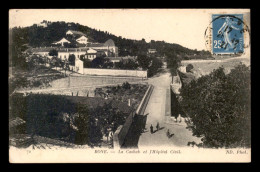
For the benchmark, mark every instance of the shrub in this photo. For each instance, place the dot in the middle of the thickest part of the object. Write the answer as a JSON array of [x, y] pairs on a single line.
[[189, 67], [45, 117], [36, 83], [87, 63], [143, 61], [126, 85], [53, 52], [72, 59], [154, 68]]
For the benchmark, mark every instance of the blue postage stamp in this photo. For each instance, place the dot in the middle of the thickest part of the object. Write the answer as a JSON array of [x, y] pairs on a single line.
[[227, 34]]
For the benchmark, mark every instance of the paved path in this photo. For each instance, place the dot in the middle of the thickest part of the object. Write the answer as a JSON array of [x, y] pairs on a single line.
[[157, 108]]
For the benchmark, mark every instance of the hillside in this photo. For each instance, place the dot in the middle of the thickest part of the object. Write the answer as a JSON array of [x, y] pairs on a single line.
[[43, 36], [202, 68]]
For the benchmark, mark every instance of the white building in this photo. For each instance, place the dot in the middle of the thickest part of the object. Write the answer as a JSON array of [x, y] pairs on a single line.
[[108, 47], [64, 53], [182, 69], [91, 54], [43, 51], [74, 33], [151, 51], [82, 40], [62, 41]]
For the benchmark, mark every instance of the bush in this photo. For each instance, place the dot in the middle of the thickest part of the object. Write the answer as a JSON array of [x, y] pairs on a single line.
[[36, 83], [87, 63], [154, 68], [53, 52], [45, 117], [219, 107], [98, 62], [72, 59], [126, 85], [143, 61], [189, 67]]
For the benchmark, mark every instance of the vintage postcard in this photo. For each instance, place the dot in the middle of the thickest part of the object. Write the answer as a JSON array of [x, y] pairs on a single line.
[[129, 85]]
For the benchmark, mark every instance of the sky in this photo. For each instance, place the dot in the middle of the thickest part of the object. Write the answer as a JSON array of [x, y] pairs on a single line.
[[182, 26]]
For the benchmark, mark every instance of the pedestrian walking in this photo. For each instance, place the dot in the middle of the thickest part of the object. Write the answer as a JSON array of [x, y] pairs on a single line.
[[168, 133], [157, 126], [151, 129]]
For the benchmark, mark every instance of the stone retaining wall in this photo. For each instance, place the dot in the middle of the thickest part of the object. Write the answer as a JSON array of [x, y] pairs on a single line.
[[121, 133], [114, 72]]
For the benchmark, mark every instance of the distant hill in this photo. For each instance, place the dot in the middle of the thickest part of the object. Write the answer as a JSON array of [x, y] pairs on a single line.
[[37, 36]]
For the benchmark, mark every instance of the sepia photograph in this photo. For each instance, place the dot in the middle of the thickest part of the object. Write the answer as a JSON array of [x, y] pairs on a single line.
[[129, 85]]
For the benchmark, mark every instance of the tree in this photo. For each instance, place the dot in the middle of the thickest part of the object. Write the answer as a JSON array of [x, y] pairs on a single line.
[[126, 85], [87, 63], [119, 65], [107, 64], [32, 62], [98, 62], [189, 67], [53, 52], [92, 124], [66, 66], [72, 59], [154, 68], [144, 61], [219, 107], [89, 132], [130, 64], [70, 45], [173, 62], [55, 61]]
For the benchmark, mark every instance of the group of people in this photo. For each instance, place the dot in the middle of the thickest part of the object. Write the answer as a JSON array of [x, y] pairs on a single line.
[[168, 134], [157, 127]]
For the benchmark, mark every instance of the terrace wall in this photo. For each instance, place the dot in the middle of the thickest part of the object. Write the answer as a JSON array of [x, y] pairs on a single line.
[[122, 131], [106, 72], [115, 72]]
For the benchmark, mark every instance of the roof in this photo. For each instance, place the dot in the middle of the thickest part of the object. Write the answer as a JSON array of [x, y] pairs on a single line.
[[39, 49], [47, 49], [76, 32], [122, 58], [72, 49], [91, 51], [129, 57], [80, 37], [98, 50], [62, 40], [96, 45], [109, 43]]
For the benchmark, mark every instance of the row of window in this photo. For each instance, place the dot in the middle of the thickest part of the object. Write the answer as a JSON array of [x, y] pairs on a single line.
[[91, 56], [88, 56], [66, 56]]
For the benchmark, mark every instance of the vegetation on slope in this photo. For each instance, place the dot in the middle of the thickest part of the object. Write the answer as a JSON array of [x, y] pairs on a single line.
[[219, 107]]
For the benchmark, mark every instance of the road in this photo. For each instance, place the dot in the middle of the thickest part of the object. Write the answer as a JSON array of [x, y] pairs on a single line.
[[157, 109]]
